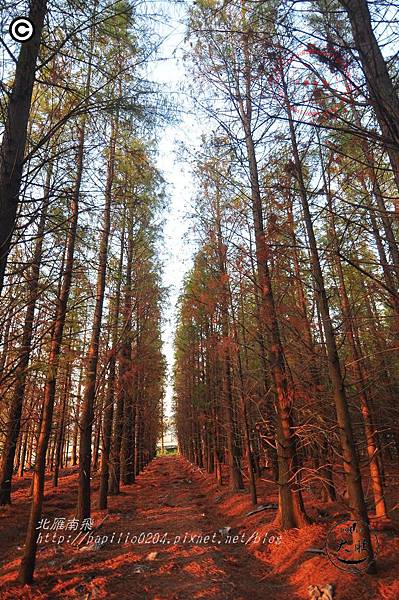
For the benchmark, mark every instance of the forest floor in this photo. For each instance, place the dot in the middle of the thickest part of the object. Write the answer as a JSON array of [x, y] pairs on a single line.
[[172, 497]]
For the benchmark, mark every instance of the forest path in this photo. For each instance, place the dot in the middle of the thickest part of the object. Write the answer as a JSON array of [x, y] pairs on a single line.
[[170, 498]]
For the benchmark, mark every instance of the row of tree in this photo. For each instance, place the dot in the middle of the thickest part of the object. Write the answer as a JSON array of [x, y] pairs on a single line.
[[82, 370], [287, 338]]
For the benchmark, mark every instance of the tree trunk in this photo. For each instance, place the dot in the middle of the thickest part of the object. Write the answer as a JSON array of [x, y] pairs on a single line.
[[110, 396], [371, 436], [98, 428], [383, 95], [291, 511], [126, 375], [27, 566], [235, 476], [357, 504], [24, 355], [244, 407], [87, 409], [14, 137], [23, 452], [61, 425]]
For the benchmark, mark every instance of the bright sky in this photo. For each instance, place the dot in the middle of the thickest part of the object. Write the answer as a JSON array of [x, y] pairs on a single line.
[[168, 70]]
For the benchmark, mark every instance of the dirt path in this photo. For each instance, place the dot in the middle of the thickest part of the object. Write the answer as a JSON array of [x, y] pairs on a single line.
[[169, 500], [184, 567]]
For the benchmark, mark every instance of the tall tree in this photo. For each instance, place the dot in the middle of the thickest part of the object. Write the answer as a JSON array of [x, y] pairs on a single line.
[[12, 149]]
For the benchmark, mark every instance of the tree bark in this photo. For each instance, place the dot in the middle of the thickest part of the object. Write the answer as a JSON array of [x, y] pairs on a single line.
[[61, 425], [27, 566], [126, 378], [110, 397], [235, 476], [87, 409], [384, 97], [360, 384], [357, 504], [17, 401], [15, 132], [291, 510]]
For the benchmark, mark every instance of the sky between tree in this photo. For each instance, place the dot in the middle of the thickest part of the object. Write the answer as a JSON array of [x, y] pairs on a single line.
[[168, 70]]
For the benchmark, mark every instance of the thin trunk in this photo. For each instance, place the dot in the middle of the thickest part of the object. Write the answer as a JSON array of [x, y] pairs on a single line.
[[315, 368], [126, 376], [61, 426], [23, 452], [291, 510], [356, 358], [29, 558], [110, 397], [5, 339], [265, 380], [87, 409], [17, 401], [98, 430], [119, 442], [244, 407], [357, 504], [383, 96], [235, 477], [115, 463]]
